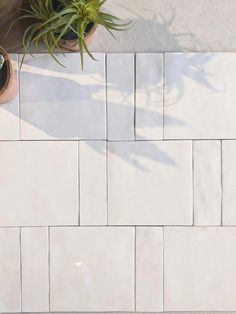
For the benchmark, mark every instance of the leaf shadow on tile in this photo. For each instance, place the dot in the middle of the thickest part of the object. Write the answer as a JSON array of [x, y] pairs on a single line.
[[65, 125], [190, 66]]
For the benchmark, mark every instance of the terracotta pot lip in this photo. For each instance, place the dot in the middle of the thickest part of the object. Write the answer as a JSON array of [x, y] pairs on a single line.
[[8, 71]]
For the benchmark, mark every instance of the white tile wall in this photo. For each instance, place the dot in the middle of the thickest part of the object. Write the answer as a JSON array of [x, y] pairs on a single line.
[[137, 183], [39, 183]]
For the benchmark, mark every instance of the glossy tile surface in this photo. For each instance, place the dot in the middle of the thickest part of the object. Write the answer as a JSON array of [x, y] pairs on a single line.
[[147, 180], [199, 269], [117, 184], [39, 183], [92, 269], [63, 102]]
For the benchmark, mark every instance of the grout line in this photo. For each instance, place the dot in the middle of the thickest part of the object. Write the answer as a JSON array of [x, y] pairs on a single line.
[[193, 185], [106, 96], [107, 137], [120, 141], [163, 95], [135, 88], [135, 270], [107, 209], [19, 96], [221, 182], [78, 182], [49, 272], [163, 269], [118, 226], [21, 274]]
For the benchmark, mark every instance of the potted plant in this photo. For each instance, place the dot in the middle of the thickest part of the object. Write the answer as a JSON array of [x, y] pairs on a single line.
[[67, 24], [8, 83]]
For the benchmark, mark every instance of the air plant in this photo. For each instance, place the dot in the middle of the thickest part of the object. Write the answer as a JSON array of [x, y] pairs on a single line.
[[54, 20]]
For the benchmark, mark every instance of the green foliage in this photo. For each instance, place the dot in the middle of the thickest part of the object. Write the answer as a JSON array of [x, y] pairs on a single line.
[[1, 61], [53, 19]]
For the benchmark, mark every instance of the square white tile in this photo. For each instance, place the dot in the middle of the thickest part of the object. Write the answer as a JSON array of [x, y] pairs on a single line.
[[39, 183], [92, 269], [10, 278], [199, 269], [9, 112], [150, 183], [63, 102], [200, 96]]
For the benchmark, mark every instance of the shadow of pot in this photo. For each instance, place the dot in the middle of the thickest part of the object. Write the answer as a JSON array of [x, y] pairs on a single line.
[[8, 81], [70, 41]]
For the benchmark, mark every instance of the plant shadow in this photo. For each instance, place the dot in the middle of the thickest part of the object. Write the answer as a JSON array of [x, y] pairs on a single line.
[[66, 103]]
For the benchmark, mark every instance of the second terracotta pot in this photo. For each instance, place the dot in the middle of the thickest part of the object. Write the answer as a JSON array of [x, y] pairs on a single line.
[[8, 84]]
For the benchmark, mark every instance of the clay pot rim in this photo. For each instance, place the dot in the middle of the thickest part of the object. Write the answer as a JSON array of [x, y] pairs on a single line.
[[9, 69]]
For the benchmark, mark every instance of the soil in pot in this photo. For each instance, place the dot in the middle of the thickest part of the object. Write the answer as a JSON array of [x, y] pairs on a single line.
[[3, 76], [72, 36]]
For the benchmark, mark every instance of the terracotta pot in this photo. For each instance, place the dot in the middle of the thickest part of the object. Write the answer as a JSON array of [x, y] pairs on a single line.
[[8, 89], [72, 45]]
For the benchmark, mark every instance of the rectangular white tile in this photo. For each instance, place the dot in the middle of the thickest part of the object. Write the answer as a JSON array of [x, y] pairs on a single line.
[[199, 269], [120, 96], [9, 112], [207, 183], [149, 96], [229, 182], [93, 189], [92, 269], [149, 269], [63, 102], [39, 183], [150, 183], [200, 96], [10, 281], [35, 269]]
